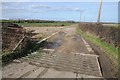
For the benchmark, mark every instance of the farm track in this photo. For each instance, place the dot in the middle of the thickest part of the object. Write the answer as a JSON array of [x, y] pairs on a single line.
[[67, 57]]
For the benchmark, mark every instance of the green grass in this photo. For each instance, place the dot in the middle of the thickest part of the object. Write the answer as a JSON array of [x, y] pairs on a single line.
[[44, 24], [111, 51], [40, 24]]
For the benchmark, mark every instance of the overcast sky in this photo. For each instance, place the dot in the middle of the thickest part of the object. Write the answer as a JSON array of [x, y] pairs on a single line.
[[60, 11]]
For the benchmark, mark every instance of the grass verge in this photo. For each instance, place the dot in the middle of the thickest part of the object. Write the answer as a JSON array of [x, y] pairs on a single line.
[[110, 51]]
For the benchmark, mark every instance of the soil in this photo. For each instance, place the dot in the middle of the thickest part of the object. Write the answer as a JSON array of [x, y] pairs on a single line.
[[67, 55]]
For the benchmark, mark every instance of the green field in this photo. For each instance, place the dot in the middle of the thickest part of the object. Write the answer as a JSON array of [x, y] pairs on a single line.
[[44, 24], [35, 23]]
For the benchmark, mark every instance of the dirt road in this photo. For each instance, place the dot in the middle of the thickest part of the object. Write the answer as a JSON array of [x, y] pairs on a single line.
[[67, 55]]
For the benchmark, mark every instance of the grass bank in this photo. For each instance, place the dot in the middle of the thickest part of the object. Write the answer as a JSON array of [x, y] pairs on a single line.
[[110, 51]]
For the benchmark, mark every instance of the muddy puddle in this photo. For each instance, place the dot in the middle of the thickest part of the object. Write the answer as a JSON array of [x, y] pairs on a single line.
[[55, 43]]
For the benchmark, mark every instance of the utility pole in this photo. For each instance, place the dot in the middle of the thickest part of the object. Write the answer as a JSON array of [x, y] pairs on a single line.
[[80, 15], [99, 11], [81, 11]]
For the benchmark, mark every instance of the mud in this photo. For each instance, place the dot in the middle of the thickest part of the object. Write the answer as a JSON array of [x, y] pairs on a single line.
[[11, 35], [68, 55]]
